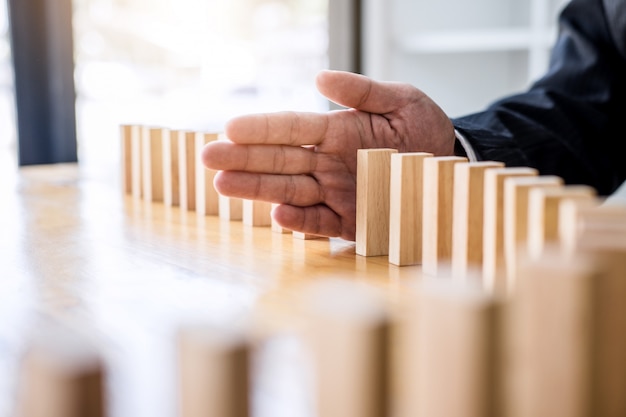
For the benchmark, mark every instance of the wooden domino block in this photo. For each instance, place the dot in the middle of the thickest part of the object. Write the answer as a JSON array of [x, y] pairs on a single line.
[[152, 164], [126, 151], [171, 171], [468, 215], [494, 269], [136, 153], [437, 212], [568, 329], [230, 209], [543, 214], [61, 375], [516, 191], [276, 228], [591, 225], [214, 373], [569, 217], [257, 213], [207, 200], [405, 208], [609, 328], [372, 201], [457, 352], [348, 334], [187, 161]]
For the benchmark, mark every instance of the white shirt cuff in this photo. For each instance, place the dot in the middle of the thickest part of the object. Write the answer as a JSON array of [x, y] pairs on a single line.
[[471, 155]]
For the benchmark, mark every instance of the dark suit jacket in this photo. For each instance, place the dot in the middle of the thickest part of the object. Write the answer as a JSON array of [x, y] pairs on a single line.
[[572, 122]]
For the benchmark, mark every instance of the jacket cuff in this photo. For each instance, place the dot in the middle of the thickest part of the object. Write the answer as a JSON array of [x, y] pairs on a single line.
[[462, 147]]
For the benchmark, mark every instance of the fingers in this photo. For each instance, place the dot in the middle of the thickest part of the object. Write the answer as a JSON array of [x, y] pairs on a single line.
[[281, 159], [296, 190], [284, 128], [315, 220], [362, 93], [300, 197]]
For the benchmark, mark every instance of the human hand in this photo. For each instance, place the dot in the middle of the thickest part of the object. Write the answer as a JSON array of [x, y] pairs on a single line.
[[307, 161]]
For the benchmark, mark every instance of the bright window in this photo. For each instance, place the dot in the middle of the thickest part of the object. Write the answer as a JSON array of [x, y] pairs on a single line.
[[192, 63]]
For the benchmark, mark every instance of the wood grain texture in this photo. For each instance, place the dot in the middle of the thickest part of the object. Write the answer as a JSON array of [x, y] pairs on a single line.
[[468, 216], [494, 269], [591, 226], [437, 212], [152, 164], [372, 201], [137, 157], [131, 271], [126, 153], [516, 191], [543, 214], [171, 171], [207, 200], [187, 161], [405, 208]]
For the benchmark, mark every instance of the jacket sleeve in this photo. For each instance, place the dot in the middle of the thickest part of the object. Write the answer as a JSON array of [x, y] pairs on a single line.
[[569, 123]]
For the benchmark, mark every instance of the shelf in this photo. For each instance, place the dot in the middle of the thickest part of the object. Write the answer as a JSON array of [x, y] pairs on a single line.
[[476, 41]]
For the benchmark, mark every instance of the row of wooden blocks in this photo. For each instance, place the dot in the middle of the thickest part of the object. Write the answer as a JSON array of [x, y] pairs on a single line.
[[466, 219], [163, 165], [448, 214], [444, 348]]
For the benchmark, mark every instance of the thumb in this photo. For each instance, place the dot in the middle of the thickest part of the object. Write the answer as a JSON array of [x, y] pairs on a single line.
[[362, 93]]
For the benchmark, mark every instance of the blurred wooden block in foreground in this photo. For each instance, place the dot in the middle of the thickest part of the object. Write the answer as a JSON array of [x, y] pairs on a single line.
[[349, 334], [457, 351], [214, 373], [568, 333], [62, 375]]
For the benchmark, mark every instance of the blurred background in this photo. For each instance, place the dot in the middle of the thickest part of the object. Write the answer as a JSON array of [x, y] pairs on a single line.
[[196, 63]]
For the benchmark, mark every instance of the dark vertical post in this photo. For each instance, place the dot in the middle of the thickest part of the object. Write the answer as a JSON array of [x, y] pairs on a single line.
[[344, 35], [43, 62]]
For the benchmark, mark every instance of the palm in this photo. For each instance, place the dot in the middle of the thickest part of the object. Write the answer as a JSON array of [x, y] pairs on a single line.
[[307, 162]]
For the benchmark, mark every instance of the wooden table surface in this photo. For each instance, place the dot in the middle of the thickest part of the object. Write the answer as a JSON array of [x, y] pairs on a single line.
[[74, 247]]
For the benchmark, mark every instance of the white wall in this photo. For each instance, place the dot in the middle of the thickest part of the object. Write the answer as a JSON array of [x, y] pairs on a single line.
[[463, 53]]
